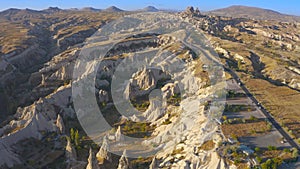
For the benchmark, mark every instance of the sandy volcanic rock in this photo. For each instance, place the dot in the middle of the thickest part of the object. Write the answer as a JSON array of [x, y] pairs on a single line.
[[155, 110], [123, 162], [170, 89], [190, 10], [40, 116], [222, 52], [60, 124], [144, 81], [154, 164], [75, 38], [103, 153], [92, 161], [148, 78], [119, 136], [71, 156], [295, 83]]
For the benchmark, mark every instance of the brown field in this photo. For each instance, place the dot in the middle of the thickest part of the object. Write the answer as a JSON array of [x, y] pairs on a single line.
[[207, 145], [244, 129], [282, 102]]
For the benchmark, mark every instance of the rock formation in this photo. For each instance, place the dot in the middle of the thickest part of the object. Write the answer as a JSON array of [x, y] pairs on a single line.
[[170, 89], [103, 153], [156, 109], [119, 136], [92, 161], [154, 164], [71, 156], [123, 162], [60, 124]]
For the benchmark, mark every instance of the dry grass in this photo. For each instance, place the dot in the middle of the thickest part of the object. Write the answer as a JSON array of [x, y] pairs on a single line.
[[199, 72], [244, 129], [207, 145], [242, 166], [12, 36], [282, 102]]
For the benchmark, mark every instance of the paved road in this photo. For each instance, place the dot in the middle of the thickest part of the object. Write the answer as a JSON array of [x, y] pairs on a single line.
[[265, 112]]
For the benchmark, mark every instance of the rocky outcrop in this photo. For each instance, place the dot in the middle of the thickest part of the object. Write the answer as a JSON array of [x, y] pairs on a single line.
[[155, 110], [92, 161], [31, 120], [71, 155], [170, 89], [145, 81], [103, 153], [222, 51], [154, 164], [60, 124], [119, 136], [190, 11], [123, 162], [75, 38]]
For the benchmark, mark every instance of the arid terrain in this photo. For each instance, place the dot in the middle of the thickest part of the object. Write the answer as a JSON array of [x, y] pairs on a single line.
[[248, 118]]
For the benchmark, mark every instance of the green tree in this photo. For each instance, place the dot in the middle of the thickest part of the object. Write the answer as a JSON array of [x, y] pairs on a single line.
[[286, 150], [76, 138], [257, 149], [258, 159], [271, 148], [295, 153], [72, 135]]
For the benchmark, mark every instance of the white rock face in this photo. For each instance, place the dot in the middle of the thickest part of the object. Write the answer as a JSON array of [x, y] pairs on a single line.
[[71, 156], [92, 162], [295, 83], [144, 81], [154, 164], [155, 110], [238, 57], [222, 51], [170, 89], [123, 162], [103, 153], [119, 136], [40, 116], [60, 124]]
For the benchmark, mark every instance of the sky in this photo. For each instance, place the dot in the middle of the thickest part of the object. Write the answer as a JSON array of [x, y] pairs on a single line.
[[283, 6]]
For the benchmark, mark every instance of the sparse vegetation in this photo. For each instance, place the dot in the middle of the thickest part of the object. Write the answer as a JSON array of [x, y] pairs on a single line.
[[207, 145]]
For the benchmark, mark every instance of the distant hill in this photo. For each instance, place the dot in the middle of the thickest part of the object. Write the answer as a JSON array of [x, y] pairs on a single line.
[[10, 11], [254, 13], [149, 9], [52, 10], [14, 13], [113, 9], [91, 9]]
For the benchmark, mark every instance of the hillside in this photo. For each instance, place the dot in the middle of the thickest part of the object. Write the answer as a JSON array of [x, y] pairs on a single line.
[[204, 92], [150, 9], [254, 13], [113, 9]]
